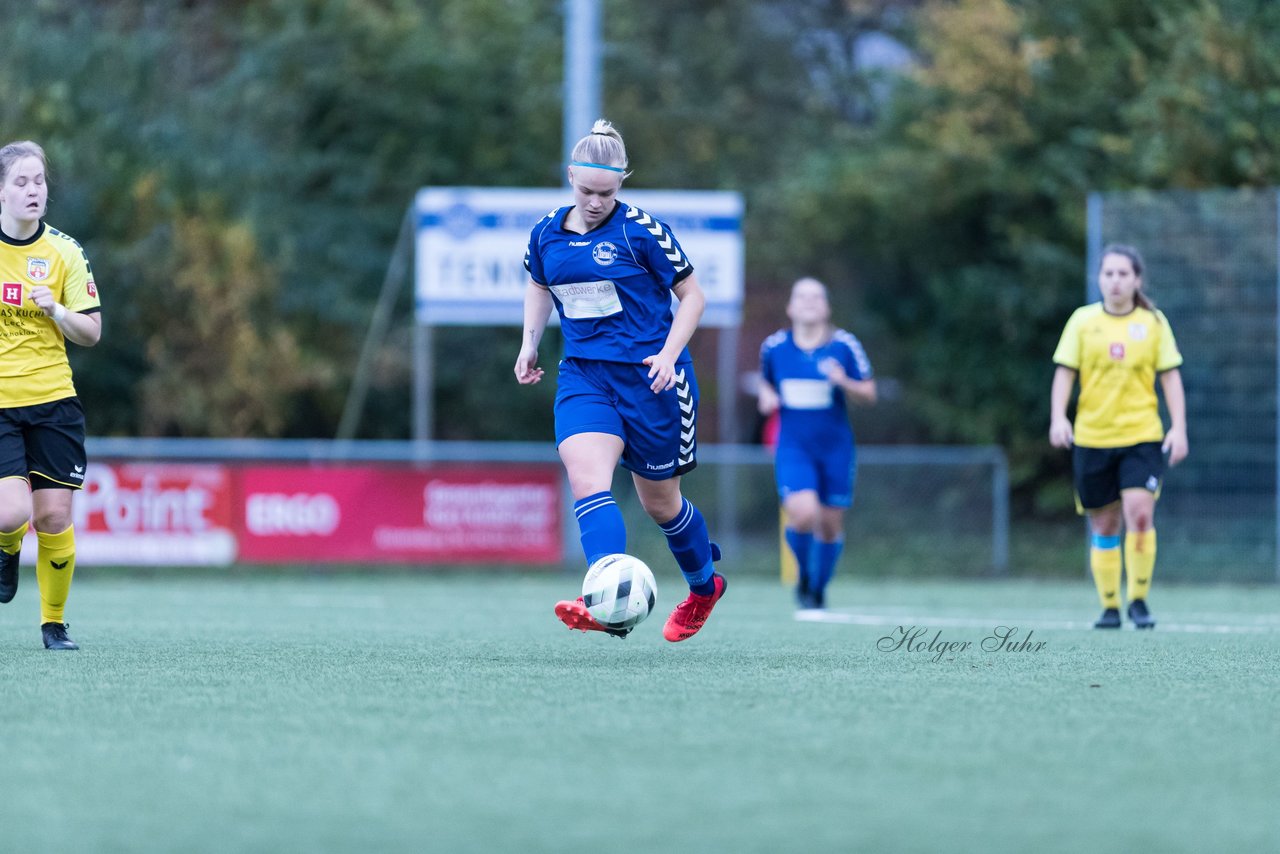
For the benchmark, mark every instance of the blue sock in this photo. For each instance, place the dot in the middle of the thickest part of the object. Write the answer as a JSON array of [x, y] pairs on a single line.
[[827, 554], [802, 547], [688, 540], [600, 525]]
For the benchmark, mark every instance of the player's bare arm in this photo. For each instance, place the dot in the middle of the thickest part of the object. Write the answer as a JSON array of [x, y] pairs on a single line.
[[859, 391], [662, 365], [537, 309], [767, 399], [1060, 433], [1175, 440], [82, 329]]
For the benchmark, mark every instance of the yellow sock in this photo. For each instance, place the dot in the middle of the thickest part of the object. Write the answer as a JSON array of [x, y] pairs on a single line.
[[1140, 561], [1105, 563], [11, 541], [55, 563]]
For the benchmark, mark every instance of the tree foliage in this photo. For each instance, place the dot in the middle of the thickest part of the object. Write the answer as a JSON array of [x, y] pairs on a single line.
[[962, 211], [238, 173]]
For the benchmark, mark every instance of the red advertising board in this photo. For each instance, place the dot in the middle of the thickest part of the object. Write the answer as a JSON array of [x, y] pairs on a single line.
[[353, 514], [163, 514], [183, 514]]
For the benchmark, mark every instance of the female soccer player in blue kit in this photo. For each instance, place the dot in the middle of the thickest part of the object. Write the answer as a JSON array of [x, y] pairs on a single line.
[[807, 371], [626, 390]]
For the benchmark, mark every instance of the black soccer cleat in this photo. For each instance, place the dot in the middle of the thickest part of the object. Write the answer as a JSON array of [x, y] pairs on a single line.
[[805, 600], [1110, 619], [1140, 616], [55, 636], [8, 576]]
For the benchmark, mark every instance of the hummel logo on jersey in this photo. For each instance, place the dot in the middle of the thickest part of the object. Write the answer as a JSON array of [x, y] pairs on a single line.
[[579, 242], [56, 565]]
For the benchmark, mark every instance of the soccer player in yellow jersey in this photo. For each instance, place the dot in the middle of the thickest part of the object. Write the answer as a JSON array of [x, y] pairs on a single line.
[[47, 297], [1118, 347]]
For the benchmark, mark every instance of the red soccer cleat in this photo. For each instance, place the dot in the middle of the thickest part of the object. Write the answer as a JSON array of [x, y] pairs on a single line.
[[689, 615], [575, 616]]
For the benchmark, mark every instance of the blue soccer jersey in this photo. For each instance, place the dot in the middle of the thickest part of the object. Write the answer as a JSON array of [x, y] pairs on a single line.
[[612, 285], [813, 410], [815, 442]]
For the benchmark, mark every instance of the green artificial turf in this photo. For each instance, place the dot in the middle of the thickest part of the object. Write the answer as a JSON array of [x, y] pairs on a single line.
[[453, 713]]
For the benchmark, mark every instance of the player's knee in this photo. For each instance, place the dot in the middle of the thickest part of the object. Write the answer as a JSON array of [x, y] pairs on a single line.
[[13, 515], [52, 521], [661, 509], [803, 519], [662, 513], [1139, 522], [1108, 520]]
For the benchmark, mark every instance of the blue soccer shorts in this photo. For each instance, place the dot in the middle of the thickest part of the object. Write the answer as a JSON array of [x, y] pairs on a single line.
[[658, 430], [826, 470]]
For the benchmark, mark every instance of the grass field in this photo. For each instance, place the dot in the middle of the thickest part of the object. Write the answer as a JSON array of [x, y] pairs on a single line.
[[452, 713]]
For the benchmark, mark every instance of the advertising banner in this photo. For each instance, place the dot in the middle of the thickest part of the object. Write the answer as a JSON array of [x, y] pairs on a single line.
[[357, 514], [152, 514], [183, 514]]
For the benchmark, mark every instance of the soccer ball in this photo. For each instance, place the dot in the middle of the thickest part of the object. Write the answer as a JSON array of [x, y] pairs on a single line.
[[619, 591]]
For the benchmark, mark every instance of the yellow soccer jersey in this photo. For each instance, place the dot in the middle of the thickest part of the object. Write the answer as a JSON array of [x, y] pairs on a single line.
[[1117, 357], [33, 354]]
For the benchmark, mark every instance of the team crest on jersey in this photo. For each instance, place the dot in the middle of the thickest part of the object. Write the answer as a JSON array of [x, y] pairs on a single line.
[[605, 253], [1117, 351], [37, 269], [1138, 331]]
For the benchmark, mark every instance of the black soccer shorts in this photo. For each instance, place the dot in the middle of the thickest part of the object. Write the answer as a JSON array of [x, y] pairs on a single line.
[[44, 443], [1101, 473]]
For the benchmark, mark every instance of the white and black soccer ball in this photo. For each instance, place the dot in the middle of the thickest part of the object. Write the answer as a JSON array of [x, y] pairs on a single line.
[[619, 591]]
